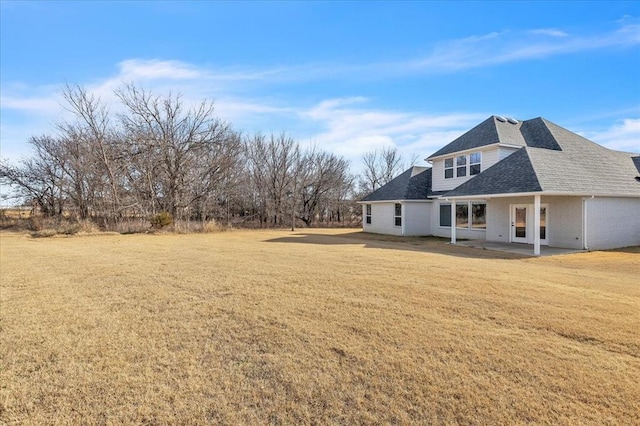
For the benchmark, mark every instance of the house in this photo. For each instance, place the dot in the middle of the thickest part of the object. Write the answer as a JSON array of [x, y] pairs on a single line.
[[513, 181]]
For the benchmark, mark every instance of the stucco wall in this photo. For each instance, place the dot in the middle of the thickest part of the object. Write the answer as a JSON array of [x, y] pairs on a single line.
[[612, 222], [416, 218], [382, 219]]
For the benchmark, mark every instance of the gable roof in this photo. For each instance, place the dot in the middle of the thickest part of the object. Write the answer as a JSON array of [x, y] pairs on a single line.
[[413, 184], [558, 161]]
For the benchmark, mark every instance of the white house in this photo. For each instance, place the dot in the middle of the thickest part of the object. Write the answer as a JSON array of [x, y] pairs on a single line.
[[512, 181]]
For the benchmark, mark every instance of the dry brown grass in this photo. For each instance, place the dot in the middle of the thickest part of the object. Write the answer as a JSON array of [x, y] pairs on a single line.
[[257, 327]]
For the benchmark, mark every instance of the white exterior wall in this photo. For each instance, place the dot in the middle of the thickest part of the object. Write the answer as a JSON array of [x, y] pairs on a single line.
[[416, 217], [445, 232], [504, 152], [382, 219], [564, 220], [489, 158], [612, 222]]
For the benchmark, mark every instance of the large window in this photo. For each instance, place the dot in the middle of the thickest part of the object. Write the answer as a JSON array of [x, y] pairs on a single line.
[[398, 214], [448, 168], [368, 214], [445, 215], [462, 215], [478, 215], [468, 215], [461, 165]]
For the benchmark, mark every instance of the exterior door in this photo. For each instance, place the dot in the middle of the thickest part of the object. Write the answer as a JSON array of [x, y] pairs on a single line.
[[519, 228], [522, 224]]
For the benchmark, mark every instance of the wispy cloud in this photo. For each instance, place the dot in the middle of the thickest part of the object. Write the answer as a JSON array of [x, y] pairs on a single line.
[[348, 127], [551, 32], [624, 135]]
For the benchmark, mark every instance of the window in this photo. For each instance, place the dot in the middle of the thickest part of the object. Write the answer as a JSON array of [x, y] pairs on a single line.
[[448, 168], [461, 165], [445, 215], [468, 215], [368, 214], [474, 163], [464, 165], [479, 216], [398, 214], [462, 215]]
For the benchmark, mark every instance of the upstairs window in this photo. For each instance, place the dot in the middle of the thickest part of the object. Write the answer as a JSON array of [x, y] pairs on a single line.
[[368, 214], [465, 165], [448, 168], [475, 160], [398, 214], [461, 165]]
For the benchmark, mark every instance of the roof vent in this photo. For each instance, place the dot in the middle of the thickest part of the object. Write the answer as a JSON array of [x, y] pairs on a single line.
[[512, 120], [501, 119]]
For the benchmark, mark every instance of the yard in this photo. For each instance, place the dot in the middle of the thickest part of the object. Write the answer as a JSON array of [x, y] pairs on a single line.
[[313, 327]]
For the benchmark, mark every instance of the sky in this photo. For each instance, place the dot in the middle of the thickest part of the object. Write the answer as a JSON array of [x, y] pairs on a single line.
[[348, 77]]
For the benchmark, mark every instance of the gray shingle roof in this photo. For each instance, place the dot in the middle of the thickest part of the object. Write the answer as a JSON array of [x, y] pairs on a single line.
[[636, 161], [404, 187], [558, 161], [490, 131], [552, 159]]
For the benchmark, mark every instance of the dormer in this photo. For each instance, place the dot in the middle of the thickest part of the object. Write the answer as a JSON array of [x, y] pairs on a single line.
[[476, 150]]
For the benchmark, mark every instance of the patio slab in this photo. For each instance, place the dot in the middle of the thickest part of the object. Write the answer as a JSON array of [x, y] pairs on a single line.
[[518, 248]]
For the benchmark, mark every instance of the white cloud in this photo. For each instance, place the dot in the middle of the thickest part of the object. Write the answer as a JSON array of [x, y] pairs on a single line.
[[552, 32], [624, 135], [351, 131]]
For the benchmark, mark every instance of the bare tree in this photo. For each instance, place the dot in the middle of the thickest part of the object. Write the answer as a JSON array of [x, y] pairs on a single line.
[[92, 132], [187, 147], [274, 165], [324, 175], [380, 167]]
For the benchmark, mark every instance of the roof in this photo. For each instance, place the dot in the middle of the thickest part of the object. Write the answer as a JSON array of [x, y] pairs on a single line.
[[491, 131], [413, 184], [636, 161], [551, 159], [558, 161]]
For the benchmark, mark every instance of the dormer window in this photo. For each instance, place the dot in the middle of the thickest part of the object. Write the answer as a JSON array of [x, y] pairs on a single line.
[[465, 165], [475, 159], [448, 168], [461, 166]]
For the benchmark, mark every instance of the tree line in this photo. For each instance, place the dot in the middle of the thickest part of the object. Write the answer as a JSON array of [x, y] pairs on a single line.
[[156, 155]]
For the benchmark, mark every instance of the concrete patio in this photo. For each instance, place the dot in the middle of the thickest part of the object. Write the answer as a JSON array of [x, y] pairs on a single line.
[[518, 248]]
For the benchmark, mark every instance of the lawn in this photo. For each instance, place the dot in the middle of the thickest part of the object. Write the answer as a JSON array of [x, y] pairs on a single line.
[[313, 327]]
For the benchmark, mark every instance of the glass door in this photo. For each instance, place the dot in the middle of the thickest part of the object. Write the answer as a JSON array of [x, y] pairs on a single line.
[[519, 224]]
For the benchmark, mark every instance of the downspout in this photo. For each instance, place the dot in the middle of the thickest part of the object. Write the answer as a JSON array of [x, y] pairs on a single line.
[[403, 214], [584, 215]]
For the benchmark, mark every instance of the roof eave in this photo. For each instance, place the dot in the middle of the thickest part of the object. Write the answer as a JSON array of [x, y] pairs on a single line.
[[466, 151], [529, 194]]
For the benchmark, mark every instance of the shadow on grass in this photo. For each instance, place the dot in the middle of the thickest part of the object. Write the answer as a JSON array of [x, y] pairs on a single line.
[[435, 245]]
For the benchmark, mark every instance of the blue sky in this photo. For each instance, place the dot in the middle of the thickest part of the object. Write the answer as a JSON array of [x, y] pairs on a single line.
[[347, 76]]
